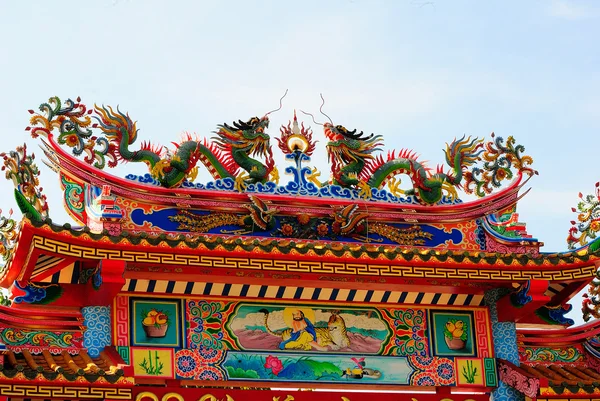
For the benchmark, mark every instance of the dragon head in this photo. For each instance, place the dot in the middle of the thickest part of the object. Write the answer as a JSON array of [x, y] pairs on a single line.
[[347, 146], [348, 220], [248, 137], [339, 132]]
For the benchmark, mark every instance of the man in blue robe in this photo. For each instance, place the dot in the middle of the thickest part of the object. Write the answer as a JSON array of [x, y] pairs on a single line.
[[298, 339]]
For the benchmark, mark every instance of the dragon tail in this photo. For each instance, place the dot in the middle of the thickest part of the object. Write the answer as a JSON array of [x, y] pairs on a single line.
[[112, 123], [266, 313], [119, 129], [462, 153]]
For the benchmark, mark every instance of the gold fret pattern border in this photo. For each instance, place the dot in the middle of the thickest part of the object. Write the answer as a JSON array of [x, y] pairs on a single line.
[[302, 266], [89, 393]]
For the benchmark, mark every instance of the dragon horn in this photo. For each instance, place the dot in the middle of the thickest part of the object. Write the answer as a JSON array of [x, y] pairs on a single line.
[[321, 108], [280, 103], [313, 117]]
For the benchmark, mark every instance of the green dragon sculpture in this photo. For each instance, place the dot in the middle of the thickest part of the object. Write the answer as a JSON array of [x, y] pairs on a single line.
[[355, 166], [19, 166], [234, 148], [237, 150]]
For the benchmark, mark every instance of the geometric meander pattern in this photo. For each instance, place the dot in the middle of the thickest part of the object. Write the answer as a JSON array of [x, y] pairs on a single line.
[[303, 266], [20, 390]]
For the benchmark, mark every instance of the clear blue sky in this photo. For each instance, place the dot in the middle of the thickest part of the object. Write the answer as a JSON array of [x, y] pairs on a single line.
[[418, 72]]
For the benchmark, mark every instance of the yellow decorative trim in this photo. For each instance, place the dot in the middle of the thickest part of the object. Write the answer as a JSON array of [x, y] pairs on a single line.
[[291, 398], [172, 396], [301, 266], [210, 397], [90, 393], [146, 394]]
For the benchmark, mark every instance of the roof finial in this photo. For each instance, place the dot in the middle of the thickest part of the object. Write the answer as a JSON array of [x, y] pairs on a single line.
[[295, 127]]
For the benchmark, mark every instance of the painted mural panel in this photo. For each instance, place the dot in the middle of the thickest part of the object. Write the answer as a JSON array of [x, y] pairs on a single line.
[[314, 342], [306, 328], [205, 322], [311, 327], [156, 322], [209, 364], [452, 333], [153, 363], [323, 368], [156, 218], [570, 354]]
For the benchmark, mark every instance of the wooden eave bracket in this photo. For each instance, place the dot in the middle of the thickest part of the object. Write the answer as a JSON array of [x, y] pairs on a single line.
[[523, 302], [111, 273], [100, 290]]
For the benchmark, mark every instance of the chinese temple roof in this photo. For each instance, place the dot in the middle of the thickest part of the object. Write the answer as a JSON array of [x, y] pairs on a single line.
[[358, 234], [50, 247], [573, 378], [359, 229], [555, 362], [66, 366], [342, 251], [361, 211], [550, 379]]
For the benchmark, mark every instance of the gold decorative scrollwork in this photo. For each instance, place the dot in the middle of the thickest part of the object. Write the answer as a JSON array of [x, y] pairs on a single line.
[[172, 396], [146, 394]]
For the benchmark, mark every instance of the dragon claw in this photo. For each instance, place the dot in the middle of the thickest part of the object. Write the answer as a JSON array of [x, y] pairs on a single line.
[[274, 175], [158, 171], [240, 182], [192, 174], [365, 190], [313, 177], [394, 186], [450, 189]]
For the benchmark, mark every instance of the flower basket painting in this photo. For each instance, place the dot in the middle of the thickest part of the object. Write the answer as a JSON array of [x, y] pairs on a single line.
[[453, 333], [156, 322]]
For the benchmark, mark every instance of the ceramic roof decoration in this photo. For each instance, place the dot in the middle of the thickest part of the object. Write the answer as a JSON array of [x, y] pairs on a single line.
[[371, 272]]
